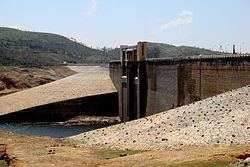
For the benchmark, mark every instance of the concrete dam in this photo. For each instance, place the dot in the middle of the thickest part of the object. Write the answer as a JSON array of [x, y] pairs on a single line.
[[171, 83], [155, 85]]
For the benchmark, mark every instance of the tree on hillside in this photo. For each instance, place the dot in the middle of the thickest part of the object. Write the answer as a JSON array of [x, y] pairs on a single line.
[[155, 52]]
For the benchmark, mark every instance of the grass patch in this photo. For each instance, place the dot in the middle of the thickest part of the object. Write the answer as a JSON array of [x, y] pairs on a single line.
[[3, 163], [202, 164], [2, 132], [109, 154]]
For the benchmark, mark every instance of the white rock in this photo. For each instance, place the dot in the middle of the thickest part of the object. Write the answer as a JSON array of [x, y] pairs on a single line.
[[247, 160]]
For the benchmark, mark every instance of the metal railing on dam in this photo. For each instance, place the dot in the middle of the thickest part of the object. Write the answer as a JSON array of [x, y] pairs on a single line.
[[173, 82]]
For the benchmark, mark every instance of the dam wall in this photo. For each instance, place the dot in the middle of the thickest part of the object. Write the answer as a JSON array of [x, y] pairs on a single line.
[[96, 105], [90, 92], [175, 82]]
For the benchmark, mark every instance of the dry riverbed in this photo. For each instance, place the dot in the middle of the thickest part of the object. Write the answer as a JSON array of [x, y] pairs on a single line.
[[45, 152]]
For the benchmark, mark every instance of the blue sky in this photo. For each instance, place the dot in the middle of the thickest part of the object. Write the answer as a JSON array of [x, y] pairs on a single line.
[[202, 23]]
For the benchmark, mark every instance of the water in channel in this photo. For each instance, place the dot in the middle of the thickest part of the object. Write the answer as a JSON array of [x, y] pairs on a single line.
[[51, 130]]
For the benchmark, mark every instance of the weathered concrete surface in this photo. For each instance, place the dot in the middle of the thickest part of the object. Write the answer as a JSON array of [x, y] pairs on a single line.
[[221, 120], [176, 82], [89, 81]]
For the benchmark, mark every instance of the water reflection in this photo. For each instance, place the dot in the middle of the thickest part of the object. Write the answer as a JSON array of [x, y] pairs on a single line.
[[57, 131]]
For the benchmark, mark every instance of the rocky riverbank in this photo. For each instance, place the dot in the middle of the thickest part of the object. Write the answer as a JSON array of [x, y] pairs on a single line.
[[222, 120], [91, 120]]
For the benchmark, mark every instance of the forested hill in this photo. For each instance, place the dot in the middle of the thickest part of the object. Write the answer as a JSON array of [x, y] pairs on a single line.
[[40, 49], [161, 50], [166, 50], [32, 48]]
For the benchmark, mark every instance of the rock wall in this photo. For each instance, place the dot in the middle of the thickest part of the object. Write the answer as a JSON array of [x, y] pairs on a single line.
[[173, 83]]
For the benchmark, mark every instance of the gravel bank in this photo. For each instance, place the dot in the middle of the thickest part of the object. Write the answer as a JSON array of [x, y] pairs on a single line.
[[220, 120]]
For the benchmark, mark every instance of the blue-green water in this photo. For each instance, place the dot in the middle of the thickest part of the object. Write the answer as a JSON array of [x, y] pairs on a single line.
[[57, 131]]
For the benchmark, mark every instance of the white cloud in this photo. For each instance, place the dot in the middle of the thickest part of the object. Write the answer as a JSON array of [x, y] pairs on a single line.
[[92, 8], [186, 13], [185, 18]]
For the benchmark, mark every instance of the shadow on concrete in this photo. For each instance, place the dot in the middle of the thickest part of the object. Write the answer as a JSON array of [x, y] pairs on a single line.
[[98, 105]]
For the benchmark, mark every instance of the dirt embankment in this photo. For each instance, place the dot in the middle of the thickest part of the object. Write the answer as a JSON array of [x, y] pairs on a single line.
[[13, 79]]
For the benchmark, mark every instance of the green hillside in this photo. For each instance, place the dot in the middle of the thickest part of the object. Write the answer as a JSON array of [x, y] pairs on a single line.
[[161, 50], [40, 49], [32, 48], [165, 50]]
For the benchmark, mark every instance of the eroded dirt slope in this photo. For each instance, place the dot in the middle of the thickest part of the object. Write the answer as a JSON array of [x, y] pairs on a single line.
[[13, 79]]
